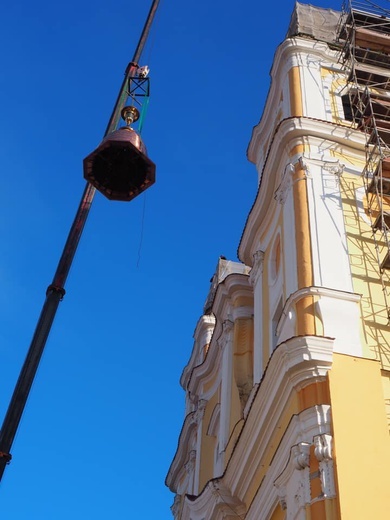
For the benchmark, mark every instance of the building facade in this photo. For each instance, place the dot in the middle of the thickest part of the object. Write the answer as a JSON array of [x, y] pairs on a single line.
[[288, 384]]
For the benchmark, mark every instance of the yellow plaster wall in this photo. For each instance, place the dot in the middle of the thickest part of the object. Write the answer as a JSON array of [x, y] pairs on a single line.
[[243, 358], [243, 301], [266, 310], [242, 378], [361, 440], [305, 307], [375, 331], [208, 385], [337, 83], [314, 394], [236, 421], [278, 514], [268, 452], [386, 393], [267, 317]]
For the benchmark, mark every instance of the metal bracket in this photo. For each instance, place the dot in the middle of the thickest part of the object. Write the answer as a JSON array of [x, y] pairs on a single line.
[[6, 456], [55, 288]]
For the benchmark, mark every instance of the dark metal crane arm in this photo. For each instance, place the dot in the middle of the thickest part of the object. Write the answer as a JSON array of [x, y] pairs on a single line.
[[56, 291]]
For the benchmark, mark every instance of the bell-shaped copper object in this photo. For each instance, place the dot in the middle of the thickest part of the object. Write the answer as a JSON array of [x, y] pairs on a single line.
[[119, 167]]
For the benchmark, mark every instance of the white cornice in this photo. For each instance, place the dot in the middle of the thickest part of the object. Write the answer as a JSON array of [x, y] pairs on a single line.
[[257, 269], [286, 57], [314, 291], [233, 286], [214, 503], [289, 133], [302, 431], [293, 365], [303, 428], [182, 453], [196, 377], [202, 336]]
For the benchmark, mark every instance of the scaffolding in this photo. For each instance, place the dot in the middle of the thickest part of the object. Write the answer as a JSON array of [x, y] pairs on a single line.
[[364, 35]]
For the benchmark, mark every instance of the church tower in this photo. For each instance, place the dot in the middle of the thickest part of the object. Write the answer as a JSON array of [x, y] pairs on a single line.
[[288, 384]]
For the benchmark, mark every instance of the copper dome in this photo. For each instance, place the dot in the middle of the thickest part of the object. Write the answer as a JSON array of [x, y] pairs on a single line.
[[119, 167]]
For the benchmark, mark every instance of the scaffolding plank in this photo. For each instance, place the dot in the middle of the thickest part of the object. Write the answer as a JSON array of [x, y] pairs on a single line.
[[382, 222], [379, 19], [371, 76], [370, 56], [383, 167], [375, 186], [372, 40]]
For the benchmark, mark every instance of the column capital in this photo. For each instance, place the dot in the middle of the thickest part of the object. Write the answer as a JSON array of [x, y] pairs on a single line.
[[323, 453], [282, 191], [175, 507], [257, 269], [323, 447], [301, 455]]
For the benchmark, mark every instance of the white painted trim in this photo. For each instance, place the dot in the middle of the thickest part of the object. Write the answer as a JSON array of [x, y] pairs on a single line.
[[294, 364], [215, 503], [233, 286], [301, 431], [202, 336], [315, 291], [181, 456], [257, 281], [289, 133], [331, 262], [226, 343], [288, 55]]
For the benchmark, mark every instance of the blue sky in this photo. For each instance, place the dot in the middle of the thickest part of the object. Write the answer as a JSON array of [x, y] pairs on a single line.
[[102, 422]]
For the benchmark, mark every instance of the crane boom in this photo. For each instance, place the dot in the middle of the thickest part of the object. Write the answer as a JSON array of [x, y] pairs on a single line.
[[56, 291]]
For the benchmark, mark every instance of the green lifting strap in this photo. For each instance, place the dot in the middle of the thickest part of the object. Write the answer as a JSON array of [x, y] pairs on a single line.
[[143, 114]]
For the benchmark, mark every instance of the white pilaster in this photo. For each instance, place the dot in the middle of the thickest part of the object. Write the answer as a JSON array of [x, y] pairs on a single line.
[[323, 453], [226, 344], [256, 280]]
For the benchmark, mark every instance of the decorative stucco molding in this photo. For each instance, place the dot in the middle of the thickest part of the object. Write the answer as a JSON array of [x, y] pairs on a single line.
[[315, 291], [199, 412], [301, 455], [334, 308], [284, 187], [323, 447], [323, 453], [289, 132], [202, 336], [294, 364], [257, 269], [294, 481], [190, 465], [213, 426], [227, 329], [282, 494], [227, 326], [216, 502], [286, 57], [335, 167], [176, 506]]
